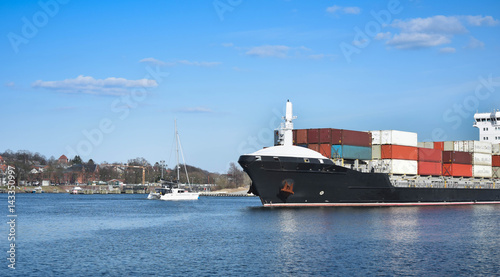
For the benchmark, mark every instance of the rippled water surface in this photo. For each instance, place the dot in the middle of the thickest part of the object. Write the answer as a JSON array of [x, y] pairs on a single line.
[[127, 235]]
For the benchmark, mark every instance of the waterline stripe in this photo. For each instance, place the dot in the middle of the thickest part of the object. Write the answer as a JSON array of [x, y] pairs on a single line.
[[377, 204]]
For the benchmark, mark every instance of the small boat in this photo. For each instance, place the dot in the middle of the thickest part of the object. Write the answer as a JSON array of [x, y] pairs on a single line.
[[76, 190], [173, 190], [165, 185], [37, 190], [154, 195], [179, 194]]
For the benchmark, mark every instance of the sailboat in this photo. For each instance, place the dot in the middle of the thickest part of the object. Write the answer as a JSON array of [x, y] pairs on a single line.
[[173, 190]]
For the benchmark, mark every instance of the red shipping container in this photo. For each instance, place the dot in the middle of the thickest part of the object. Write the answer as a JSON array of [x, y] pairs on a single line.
[[325, 149], [456, 157], [356, 138], [457, 170], [313, 146], [301, 136], [294, 137], [430, 155], [336, 136], [495, 160], [313, 136], [399, 152], [439, 145], [430, 168], [325, 135]]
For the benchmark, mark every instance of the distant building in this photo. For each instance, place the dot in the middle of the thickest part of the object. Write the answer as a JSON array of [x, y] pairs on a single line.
[[81, 173], [3, 174], [63, 160], [116, 182], [488, 125], [38, 168]]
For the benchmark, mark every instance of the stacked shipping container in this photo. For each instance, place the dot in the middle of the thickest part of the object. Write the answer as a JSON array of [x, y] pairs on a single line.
[[495, 160], [336, 143], [395, 152], [467, 158], [430, 161], [398, 152], [457, 164]]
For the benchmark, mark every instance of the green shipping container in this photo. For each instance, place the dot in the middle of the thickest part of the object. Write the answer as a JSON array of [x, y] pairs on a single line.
[[351, 152]]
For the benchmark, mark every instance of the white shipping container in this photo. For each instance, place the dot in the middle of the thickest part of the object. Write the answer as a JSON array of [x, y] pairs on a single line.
[[398, 138], [375, 137], [460, 146], [478, 146], [481, 159], [483, 171], [495, 148], [376, 152], [399, 166], [449, 146], [468, 146], [427, 144], [496, 172]]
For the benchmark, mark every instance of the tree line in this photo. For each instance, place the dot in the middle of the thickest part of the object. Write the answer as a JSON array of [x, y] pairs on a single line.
[[24, 161]]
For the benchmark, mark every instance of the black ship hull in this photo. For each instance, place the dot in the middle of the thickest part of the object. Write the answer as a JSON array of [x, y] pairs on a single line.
[[293, 181]]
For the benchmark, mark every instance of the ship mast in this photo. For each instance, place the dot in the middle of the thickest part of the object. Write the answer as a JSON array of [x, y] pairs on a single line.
[[287, 127]]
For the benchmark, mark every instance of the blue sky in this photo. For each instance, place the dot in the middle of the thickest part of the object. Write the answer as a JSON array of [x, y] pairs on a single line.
[[106, 80]]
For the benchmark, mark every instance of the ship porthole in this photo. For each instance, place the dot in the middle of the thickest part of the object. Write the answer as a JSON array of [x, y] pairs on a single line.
[[321, 192]]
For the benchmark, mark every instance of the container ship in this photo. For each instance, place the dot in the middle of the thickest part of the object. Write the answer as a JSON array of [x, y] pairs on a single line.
[[334, 167]]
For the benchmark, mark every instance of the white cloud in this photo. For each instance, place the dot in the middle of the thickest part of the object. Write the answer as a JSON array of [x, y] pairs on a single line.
[[317, 57], [279, 51], [204, 64], [153, 61], [182, 62], [227, 44], [474, 43], [347, 10], [447, 50], [417, 40], [479, 20], [87, 84], [352, 10], [434, 31], [333, 9], [380, 36], [10, 84], [360, 43], [438, 24], [195, 110], [282, 51]]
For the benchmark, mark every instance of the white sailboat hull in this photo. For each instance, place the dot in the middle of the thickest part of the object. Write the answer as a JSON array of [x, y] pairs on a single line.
[[154, 196], [181, 196]]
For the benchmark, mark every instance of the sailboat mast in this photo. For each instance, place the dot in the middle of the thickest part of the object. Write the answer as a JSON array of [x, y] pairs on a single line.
[[177, 152]]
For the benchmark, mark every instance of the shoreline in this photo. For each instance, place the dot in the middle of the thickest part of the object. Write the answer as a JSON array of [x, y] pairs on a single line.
[[104, 189]]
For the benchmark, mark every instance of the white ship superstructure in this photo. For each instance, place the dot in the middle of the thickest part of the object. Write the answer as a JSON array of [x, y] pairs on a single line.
[[488, 125]]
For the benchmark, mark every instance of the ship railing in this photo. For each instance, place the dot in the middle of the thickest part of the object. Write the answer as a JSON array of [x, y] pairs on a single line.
[[442, 182]]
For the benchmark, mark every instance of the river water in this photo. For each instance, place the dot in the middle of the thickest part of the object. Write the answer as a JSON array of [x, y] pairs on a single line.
[[127, 235]]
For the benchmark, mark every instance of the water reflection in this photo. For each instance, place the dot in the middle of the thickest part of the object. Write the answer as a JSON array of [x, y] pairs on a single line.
[[237, 237]]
